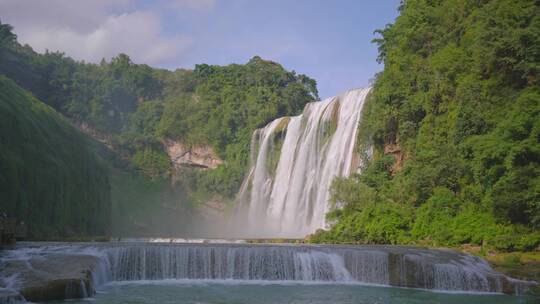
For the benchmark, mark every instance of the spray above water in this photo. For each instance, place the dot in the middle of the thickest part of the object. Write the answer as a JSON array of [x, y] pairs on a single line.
[[294, 160]]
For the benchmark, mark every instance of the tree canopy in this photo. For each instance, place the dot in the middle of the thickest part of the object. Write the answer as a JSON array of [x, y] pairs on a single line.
[[135, 109], [460, 96]]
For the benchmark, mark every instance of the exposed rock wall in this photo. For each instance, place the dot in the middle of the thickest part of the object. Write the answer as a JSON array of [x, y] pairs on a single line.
[[182, 155], [395, 150]]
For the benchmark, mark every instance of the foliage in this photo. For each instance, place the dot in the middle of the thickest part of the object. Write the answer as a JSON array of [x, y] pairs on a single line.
[[385, 223], [49, 176], [225, 106], [152, 162], [460, 97], [7, 37], [135, 109]]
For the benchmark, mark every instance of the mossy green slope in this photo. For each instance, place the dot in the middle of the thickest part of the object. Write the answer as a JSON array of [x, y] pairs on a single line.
[[49, 176]]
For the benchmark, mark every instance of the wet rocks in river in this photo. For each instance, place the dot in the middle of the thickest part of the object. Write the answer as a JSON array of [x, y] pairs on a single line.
[[54, 277]]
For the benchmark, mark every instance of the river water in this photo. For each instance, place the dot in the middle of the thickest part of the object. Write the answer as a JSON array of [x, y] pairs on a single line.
[[221, 292]]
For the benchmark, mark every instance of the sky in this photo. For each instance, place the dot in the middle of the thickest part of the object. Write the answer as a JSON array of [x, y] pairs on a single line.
[[328, 40]]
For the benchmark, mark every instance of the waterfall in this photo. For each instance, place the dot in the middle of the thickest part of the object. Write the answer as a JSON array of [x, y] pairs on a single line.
[[224, 263], [243, 263], [294, 160], [381, 265]]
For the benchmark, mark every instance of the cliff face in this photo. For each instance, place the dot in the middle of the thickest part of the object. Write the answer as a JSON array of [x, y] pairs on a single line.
[[200, 157], [395, 150], [182, 155]]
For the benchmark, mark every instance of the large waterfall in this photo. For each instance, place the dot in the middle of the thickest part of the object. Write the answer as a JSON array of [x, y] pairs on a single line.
[[294, 160]]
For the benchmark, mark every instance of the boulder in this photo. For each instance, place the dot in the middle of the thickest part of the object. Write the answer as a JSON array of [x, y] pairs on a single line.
[[56, 276]]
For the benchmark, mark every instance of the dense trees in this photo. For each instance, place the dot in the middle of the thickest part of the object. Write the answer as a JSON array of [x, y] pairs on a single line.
[[453, 121], [134, 109], [49, 176], [460, 97], [224, 108], [6, 35], [140, 106]]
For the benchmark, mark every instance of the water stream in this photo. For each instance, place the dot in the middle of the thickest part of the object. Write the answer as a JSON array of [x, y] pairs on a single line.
[[294, 160]]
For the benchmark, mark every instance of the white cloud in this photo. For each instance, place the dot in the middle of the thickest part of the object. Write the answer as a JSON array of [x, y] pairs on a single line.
[[137, 34], [200, 5], [91, 30], [80, 16]]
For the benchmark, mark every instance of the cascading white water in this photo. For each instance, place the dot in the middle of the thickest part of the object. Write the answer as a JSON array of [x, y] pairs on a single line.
[[294, 160], [394, 266], [224, 262], [383, 265]]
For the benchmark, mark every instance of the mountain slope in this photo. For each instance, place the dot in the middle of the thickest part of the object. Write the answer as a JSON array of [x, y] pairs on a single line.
[[454, 121], [49, 177]]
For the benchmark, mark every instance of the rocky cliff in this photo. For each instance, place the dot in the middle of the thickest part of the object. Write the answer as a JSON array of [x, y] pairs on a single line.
[[199, 156]]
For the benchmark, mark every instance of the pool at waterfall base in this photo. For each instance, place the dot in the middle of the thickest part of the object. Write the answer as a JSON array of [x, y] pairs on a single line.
[[192, 291]]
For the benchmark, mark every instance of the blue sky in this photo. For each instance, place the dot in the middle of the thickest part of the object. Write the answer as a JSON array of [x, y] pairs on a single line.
[[329, 41]]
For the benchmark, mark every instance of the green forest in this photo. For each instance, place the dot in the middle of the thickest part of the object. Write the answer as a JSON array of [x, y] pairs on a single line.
[[50, 177], [450, 134], [130, 110], [453, 127]]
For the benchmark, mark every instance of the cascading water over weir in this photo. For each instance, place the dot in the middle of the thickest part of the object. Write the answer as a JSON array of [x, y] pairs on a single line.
[[75, 270], [294, 160]]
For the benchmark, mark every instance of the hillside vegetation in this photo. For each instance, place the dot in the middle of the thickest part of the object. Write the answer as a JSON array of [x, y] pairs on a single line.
[[49, 176], [135, 109], [454, 121]]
